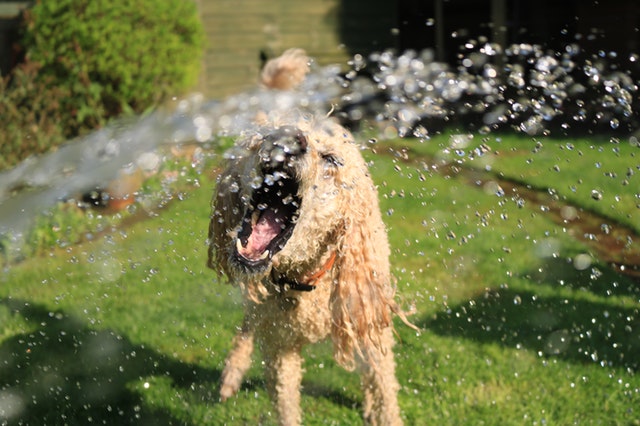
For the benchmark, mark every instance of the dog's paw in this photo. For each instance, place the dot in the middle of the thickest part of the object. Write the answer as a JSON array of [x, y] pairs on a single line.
[[230, 383], [227, 391]]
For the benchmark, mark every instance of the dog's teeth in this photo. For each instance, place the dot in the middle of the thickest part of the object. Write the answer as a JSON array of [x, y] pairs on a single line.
[[254, 218], [238, 245], [264, 255]]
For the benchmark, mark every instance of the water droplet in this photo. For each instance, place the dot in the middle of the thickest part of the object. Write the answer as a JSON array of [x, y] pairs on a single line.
[[269, 180], [494, 188], [288, 199], [549, 247], [582, 261], [569, 213], [557, 342], [256, 182]]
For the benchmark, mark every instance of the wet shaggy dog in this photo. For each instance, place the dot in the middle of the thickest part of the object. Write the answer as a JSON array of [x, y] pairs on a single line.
[[296, 224]]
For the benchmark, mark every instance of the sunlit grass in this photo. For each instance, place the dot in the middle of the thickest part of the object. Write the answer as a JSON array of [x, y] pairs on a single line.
[[598, 174], [132, 328]]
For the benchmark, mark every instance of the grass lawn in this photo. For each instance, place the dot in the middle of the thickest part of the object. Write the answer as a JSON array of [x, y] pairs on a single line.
[[521, 323], [598, 174]]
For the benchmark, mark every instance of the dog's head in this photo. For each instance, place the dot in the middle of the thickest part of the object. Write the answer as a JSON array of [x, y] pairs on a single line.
[[292, 196], [270, 198], [285, 197]]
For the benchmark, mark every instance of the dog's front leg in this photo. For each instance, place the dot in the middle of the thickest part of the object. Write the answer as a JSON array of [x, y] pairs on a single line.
[[283, 374], [380, 386], [238, 361]]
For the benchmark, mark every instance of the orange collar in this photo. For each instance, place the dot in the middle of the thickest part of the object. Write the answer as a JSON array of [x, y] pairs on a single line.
[[310, 282]]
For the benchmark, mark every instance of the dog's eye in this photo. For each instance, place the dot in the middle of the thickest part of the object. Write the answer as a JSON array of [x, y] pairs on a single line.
[[332, 160]]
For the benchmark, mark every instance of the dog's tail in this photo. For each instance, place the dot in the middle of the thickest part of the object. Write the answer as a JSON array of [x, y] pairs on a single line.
[[286, 71]]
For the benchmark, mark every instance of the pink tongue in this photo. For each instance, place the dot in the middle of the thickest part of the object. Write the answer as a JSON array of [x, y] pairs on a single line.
[[263, 232]]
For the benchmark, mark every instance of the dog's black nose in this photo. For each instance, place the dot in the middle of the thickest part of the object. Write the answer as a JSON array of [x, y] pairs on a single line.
[[281, 146]]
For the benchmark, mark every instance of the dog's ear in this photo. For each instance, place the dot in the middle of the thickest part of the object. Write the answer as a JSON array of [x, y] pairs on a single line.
[[362, 294]]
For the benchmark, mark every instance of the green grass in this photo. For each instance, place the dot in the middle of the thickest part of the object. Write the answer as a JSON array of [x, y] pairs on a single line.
[[600, 175], [133, 329]]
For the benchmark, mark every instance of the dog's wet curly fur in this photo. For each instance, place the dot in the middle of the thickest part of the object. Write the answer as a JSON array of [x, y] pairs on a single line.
[[296, 224]]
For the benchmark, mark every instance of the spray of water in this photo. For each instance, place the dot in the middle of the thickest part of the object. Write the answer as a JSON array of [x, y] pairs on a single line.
[[521, 86], [90, 161]]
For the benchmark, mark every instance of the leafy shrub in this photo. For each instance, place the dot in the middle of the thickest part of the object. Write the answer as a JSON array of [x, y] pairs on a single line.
[[110, 57], [29, 114], [87, 61]]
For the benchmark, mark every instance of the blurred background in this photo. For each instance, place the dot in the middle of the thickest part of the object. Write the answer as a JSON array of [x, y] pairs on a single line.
[[240, 34]]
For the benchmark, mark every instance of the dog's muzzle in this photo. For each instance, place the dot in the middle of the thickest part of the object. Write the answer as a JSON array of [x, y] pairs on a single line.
[[280, 149], [272, 213]]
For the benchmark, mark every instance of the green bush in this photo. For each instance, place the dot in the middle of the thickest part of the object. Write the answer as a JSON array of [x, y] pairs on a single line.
[[30, 114], [112, 57], [98, 59]]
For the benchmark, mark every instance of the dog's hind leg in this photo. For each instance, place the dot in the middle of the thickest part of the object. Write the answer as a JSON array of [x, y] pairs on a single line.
[[238, 361], [283, 376], [380, 386]]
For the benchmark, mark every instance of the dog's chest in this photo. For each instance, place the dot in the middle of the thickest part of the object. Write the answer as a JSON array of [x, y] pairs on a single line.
[[304, 317]]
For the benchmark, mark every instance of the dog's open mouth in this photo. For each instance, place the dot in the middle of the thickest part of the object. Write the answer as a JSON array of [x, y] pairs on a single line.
[[272, 213], [269, 220]]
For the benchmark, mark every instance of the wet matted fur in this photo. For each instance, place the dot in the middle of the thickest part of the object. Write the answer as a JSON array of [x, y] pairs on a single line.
[[296, 224]]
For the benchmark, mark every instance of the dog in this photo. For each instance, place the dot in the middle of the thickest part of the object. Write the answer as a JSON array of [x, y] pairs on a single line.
[[296, 224]]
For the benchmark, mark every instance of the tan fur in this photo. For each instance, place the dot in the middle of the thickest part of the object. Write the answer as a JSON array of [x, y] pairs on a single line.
[[286, 71], [352, 303]]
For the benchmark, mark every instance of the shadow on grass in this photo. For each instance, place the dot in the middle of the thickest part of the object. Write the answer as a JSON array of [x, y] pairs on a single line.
[[600, 281], [581, 328], [64, 372], [316, 390]]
